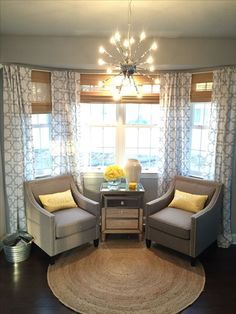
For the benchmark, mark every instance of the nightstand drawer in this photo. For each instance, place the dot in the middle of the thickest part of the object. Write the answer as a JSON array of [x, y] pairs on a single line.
[[121, 223], [122, 212]]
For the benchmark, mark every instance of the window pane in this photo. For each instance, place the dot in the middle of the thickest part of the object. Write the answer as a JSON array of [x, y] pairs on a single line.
[[153, 158], [36, 138], [45, 137], [155, 114], [96, 157], [109, 157], [96, 137], [109, 137], [205, 140], [109, 113], [154, 137], [144, 158], [131, 153], [144, 137], [97, 113], [131, 114], [41, 140], [131, 137], [145, 114], [43, 118], [196, 139]]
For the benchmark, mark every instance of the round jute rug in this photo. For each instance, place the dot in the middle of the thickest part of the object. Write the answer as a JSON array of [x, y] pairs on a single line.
[[123, 276]]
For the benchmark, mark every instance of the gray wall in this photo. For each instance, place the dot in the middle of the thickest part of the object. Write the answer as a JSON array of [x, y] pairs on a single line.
[[82, 52]]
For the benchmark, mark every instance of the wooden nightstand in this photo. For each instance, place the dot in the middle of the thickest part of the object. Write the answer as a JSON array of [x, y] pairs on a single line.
[[122, 210]]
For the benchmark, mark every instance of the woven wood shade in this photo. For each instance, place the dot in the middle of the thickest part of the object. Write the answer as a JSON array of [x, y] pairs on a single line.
[[45, 78], [201, 96]]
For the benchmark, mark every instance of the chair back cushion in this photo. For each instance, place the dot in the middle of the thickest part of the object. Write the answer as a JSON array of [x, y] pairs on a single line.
[[196, 186]]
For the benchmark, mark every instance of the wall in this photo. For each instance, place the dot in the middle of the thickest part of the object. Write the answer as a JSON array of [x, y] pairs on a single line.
[[82, 52]]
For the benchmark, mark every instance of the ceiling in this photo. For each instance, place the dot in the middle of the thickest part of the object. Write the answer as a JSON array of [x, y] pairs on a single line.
[[171, 19]]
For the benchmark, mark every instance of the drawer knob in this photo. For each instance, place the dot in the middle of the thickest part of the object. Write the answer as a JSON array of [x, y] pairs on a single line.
[[122, 203]]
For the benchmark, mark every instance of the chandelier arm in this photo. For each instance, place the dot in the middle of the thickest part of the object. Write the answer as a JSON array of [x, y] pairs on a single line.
[[136, 87], [121, 51], [142, 56], [144, 74], [136, 49], [111, 77]]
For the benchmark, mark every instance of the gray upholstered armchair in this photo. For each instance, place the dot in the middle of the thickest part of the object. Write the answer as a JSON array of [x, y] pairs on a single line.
[[63, 229], [184, 231]]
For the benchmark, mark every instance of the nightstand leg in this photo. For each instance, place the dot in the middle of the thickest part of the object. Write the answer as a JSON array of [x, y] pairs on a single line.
[[103, 237], [140, 236]]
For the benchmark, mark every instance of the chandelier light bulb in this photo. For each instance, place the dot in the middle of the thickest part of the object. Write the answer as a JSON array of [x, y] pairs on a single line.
[[151, 68], [132, 40], [112, 40], [142, 36], [101, 49], [101, 62], [153, 46], [117, 36], [117, 97], [109, 71], [157, 81], [150, 60], [126, 43], [100, 83]]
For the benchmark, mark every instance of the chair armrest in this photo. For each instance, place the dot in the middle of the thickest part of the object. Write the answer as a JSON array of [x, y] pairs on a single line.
[[85, 203], [205, 224], [161, 202], [40, 223]]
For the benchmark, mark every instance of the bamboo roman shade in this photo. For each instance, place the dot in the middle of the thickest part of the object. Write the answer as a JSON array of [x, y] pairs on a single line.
[[201, 89], [92, 93], [41, 92]]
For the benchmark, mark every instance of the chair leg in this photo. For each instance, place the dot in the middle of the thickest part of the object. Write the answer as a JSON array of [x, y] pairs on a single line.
[[193, 261], [96, 242], [148, 243]]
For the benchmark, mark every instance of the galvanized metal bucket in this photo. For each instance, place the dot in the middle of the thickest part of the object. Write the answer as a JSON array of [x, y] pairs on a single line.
[[21, 250]]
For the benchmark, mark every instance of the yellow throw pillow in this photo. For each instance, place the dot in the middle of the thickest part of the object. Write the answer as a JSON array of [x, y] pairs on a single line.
[[190, 202], [56, 201]]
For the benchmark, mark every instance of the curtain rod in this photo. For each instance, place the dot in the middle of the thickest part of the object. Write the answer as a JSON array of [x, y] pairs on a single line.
[[90, 71]]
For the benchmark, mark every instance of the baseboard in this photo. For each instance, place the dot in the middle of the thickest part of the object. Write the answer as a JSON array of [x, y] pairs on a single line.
[[234, 238]]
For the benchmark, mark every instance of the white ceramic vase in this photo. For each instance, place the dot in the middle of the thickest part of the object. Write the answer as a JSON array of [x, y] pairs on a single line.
[[132, 170]]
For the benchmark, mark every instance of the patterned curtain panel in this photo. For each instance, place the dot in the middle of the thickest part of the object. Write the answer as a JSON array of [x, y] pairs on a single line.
[[65, 124], [175, 110], [18, 142], [224, 102]]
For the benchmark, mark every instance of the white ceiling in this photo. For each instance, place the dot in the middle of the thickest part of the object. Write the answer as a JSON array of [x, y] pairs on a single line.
[[189, 18]]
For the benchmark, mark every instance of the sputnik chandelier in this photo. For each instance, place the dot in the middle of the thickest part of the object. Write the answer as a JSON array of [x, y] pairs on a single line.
[[127, 59]]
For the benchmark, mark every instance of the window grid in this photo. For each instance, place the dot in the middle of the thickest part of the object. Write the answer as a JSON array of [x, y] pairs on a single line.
[[199, 138]]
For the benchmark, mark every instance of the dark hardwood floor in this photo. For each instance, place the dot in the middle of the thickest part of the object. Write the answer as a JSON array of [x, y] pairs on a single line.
[[24, 289]]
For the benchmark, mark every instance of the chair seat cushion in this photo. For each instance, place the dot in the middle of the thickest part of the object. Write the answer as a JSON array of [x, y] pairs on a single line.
[[73, 220], [174, 221]]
